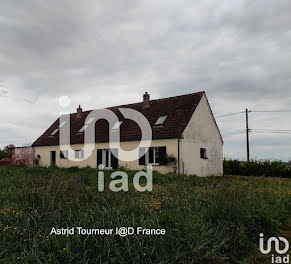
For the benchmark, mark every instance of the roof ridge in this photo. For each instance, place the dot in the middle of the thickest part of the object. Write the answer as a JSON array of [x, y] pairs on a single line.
[[159, 99]]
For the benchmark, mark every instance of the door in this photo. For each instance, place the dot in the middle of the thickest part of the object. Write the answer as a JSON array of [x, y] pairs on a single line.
[[53, 158]]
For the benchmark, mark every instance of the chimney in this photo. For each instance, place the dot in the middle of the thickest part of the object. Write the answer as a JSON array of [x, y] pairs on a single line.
[[79, 112], [146, 100]]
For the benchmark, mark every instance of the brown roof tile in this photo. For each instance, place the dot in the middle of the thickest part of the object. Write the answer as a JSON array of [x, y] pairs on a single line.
[[179, 110]]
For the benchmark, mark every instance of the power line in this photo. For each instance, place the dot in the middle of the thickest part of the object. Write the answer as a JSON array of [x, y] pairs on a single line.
[[234, 133], [258, 130], [255, 111], [230, 114], [272, 130], [266, 131], [271, 111]]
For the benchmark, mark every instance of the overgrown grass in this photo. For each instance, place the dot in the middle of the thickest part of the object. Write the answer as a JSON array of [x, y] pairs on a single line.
[[207, 220]]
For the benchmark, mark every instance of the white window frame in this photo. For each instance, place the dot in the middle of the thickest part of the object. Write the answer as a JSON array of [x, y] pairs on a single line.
[[54, 132], [65, 153], [147, 156], [163, 118], [104, 159], [90, 120], [79, 154], [62, 124], [117, 125], [83, 128], [57, 129]]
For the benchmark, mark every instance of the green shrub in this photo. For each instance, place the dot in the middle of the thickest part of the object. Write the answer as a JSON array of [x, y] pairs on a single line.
[[266, 168]]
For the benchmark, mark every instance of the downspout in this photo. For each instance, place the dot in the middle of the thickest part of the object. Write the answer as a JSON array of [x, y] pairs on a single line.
[[180, 156]]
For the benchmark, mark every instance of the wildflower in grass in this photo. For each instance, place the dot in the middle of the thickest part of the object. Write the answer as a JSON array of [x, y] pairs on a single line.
[[64, 249]]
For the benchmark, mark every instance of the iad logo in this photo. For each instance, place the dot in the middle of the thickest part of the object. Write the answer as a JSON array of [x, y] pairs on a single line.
[[275, 259]]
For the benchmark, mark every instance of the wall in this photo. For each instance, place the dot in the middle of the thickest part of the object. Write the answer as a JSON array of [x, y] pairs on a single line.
[[23, 156], [201, 132], [44, 152]]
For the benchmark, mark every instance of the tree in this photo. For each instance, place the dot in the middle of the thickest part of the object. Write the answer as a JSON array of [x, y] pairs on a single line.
[[9, 148], [2, 154], [7, 151]]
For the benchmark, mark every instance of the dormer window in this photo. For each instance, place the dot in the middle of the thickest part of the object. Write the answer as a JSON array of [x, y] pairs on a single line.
[[117, 125], [90, 120], [54, 132], [160, 121], [82, 129], [62, 124], [57, 129]]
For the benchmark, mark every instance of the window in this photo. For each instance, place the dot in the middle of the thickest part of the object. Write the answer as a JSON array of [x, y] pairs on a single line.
[[62, 124], [63, 154], [153, 155], [117, 125], [161, 120], [79, 154], [90, 120], [57, 129], [107, 159], [54, 132], [82, 129], [203, 153]]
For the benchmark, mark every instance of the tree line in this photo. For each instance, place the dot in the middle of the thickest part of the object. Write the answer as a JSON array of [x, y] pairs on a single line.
[[6, 151]]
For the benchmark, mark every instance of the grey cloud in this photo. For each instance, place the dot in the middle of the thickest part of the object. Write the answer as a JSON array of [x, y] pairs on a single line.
[[3, 92], [239, 52]]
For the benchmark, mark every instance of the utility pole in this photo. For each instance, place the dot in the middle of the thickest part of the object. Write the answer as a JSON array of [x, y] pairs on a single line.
[[247, 133]]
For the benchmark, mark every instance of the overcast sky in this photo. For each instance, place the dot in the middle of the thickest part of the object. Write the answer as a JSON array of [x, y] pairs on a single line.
[[105, 53]]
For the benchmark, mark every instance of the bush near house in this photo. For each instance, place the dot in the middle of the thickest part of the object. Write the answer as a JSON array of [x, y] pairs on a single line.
[[207, 220], [266, 168], [6, 152]]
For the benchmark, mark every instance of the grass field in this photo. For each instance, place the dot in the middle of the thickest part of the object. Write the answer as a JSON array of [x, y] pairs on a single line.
[[207, 220]]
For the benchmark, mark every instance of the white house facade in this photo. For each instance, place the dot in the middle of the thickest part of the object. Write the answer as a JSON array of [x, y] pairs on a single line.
[[186, 138]]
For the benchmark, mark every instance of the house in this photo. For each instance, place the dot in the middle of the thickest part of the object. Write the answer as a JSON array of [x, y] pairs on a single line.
[[183, 128]]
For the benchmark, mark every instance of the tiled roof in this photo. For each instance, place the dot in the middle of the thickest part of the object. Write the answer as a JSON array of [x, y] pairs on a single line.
[[179, 110]]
